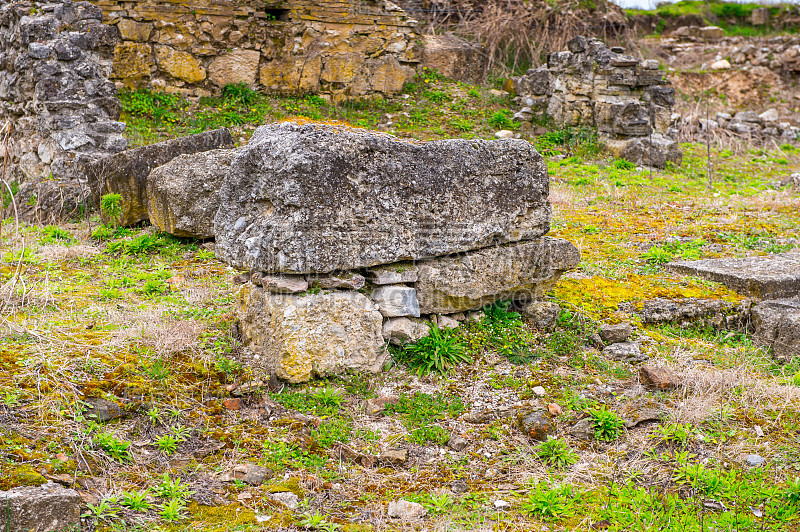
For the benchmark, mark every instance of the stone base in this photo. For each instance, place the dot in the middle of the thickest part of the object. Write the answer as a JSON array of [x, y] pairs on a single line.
[[777, 325]]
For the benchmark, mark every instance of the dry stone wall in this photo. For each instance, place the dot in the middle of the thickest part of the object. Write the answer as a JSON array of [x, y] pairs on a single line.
[[55, 59], [341, 48], [627, 100]]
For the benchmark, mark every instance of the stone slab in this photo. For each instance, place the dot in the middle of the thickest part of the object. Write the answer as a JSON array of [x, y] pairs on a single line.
[[126, 173], [766, 277], [46, 508], [777, 325], [312, 198], [523, 272]]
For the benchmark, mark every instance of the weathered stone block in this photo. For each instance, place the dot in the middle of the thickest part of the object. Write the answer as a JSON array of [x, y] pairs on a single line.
[[183, 194], [777, 325], [298, 337], [312, 198], [766, 277], [236, 66], [126, 173], [180, 65], [523, 272], [46, 508], [130, 30], [455, 57], [394, 301], [132, 61]]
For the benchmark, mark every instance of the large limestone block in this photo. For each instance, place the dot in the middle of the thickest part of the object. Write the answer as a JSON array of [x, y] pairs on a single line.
[[132, 62], [766, 277], [313, 199], [237, 66], [522, 272], [183, 194], [46, 508], [126, 173], [454, 57], [301, 336]]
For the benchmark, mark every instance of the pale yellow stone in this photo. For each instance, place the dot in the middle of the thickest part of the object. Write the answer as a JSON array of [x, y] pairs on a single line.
[[180, 65], [341, 68], [292, 75], [237, 66], [132, 61], [130, 30]]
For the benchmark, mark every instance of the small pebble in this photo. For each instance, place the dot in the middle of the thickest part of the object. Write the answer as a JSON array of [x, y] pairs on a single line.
[[539, 391], [500, 503], [759, 431]]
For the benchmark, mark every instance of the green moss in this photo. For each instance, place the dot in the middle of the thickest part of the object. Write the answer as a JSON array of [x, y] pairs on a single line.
[[14, 475], [292, 485]]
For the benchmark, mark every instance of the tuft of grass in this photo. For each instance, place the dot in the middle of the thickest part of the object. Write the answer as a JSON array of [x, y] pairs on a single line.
[[438, 352], [606, 423]]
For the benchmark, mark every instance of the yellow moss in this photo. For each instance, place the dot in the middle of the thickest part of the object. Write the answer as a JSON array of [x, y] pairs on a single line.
[[13, 475], [291, 485]]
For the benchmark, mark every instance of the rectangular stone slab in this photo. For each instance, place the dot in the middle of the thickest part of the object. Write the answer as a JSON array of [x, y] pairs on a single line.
[[125, 173], [315, 198], [522, 271], [766, 277]]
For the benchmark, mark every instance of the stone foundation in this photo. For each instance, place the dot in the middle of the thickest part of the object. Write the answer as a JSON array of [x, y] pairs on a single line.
[[341, 48], [625, 99], [55, 59]]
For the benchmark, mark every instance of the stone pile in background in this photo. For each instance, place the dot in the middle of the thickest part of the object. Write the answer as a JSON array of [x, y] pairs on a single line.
[[55, 59], [625, 99], [351, 238]]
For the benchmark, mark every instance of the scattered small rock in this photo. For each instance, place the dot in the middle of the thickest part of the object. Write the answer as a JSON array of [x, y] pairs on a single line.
[[582, 430], [658, 378], [103, 410], [394, 456], [287, 498], [406, 510], [459, 486], [500, 504], [49, 507], [537, 425], [759, 431], [446, 322], [722, 64], [755, 460], [375, 406], [504, 134], [457, 443], [232, 403], [595, 341], [615, 333], [248, 473], [543, 314], [625, 351], [554, 409], [539, 391]]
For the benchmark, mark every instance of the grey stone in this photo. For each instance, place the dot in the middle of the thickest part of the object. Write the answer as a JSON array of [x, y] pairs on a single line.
[[46, 508], [764, 277], [656, 150], [402, 330], [777, 325], [625, 352], [396, 300], [315, 198], [398, 273], [543, 314], [537, 425], [183, 194], [755, 460], [287, 498], [535, 82], [522, 272], [406, 510], [126, 173], [340, 280], [301, 336], [749, 117], [446, 322], [281, 284], [103, 410], [582, 430], [615, 333], [658, 378], [706, 312], [248, 473], [457, 443]]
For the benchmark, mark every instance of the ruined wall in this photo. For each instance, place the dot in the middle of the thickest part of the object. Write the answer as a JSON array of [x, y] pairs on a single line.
[[338, 47], [627, 100], [55, 59]]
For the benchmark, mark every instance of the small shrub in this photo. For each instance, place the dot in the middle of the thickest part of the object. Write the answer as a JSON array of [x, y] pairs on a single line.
[[52, 234], [239, 94], [557, 453], [167, 444], [437, 352], [548, 502], [110, 206], [606, 423], [135, 500], [118, 450], [501, 120]]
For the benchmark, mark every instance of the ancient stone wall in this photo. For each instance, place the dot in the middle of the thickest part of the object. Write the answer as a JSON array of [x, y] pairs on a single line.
[[338, 47], [627, 100], [55, 58]]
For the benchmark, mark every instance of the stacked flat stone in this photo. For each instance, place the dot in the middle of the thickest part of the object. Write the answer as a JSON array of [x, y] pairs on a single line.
[[55, 58], [626, 99], [342, 48]]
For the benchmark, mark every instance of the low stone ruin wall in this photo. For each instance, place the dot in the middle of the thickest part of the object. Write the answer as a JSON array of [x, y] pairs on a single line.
[[349, 238], [627, 100], [341, 48], [55, 59]]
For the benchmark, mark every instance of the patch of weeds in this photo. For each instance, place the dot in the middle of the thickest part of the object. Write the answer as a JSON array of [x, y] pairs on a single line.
[[436, 353], [157, 370], [55, 235], [167, 444], [502, 120], [154, 287], [557, 453], [322, 402], [606, 423], [673, 433], [667, 252], [422, 411], [103, 511], [239, 94], [111, 207], [173, 510], [333, 430], [317, 521], [550, 502], [135, 500], [118, 450], [172, 489]]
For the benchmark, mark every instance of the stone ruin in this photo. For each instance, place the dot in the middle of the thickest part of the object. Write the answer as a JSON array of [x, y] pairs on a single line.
[[627, 100], [55, 59], [349, 238], [340, 48]]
